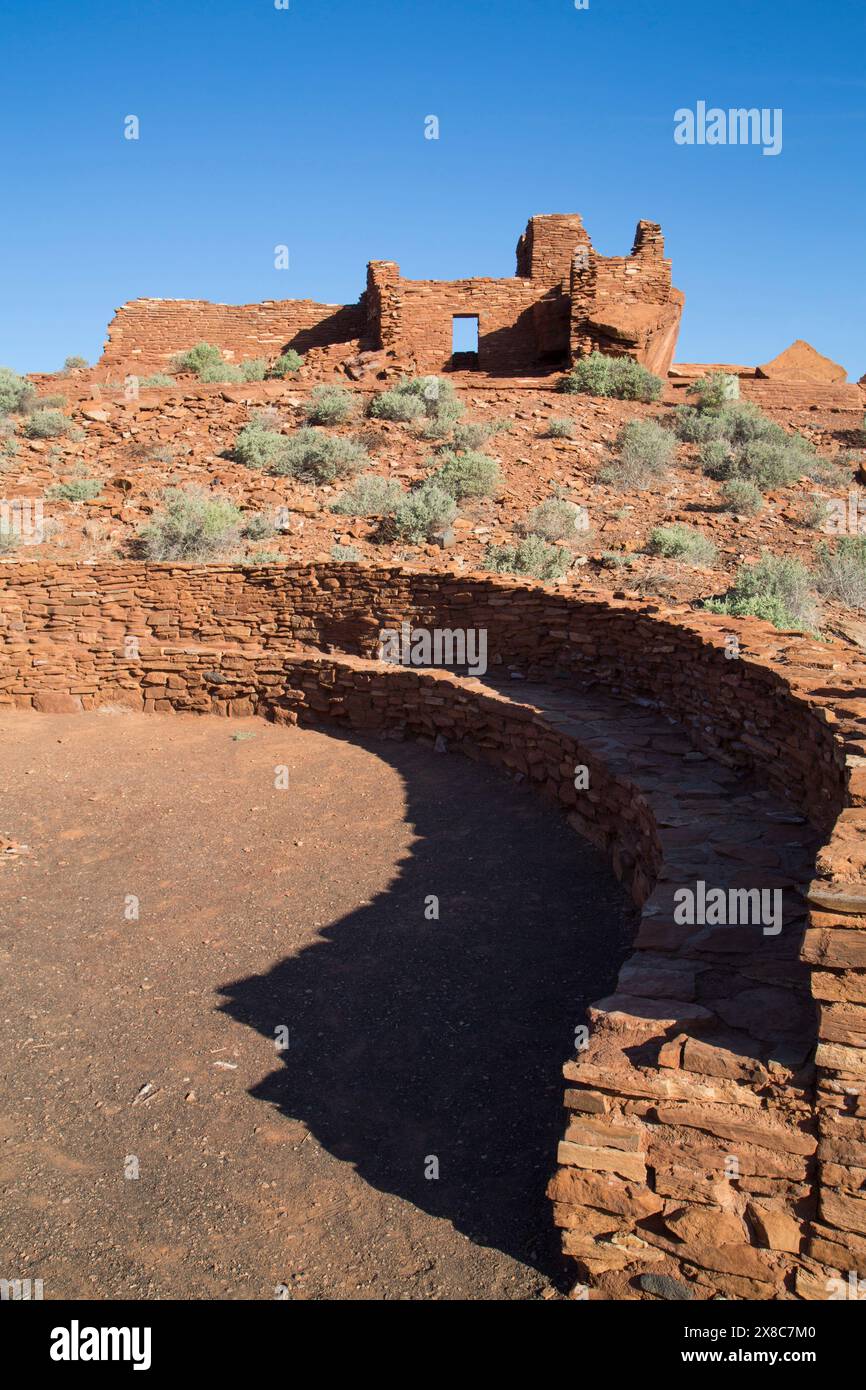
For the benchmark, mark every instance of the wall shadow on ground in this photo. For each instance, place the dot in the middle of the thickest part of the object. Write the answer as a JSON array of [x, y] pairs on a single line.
[[411, 1037]]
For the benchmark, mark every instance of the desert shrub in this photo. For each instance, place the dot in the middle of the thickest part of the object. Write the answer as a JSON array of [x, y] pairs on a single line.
[[253, 368], [559, 427], [8, 540], [698, 426], [556, 519], [369, 495], [769, 462], [8, 442], [259, 443], [78, 490], [329, 405], [646, 450], [74, 363], [220, 373], [423, 511], [842, 573], [532, 556], [616, 559], [313, 456], [777, 588], [833, 472], [679, 542], [345, 554], [421, 397], [738, 441], [256, 526], [195, 359], [47, 424], [397, 404], [621, 377], [467, 475], [192, 525], [815, 513], [158, 379], [741, 495], [714, 391], [160, 453], [17, 394], [471, 434], [287, 363]]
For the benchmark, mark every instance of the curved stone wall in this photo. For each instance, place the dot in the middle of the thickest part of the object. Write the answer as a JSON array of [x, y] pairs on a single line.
[[716, 1140]]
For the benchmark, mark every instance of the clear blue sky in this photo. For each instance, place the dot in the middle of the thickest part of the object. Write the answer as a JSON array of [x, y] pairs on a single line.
[[305, 126]]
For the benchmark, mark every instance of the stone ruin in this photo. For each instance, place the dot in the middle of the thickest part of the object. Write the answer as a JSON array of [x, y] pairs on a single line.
[[564, 301]]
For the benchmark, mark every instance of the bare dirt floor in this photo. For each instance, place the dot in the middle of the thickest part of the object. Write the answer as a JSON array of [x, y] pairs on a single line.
[[236, 1042]]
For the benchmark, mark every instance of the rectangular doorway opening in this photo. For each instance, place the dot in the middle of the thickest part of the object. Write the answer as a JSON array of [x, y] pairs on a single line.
[[464, 342]]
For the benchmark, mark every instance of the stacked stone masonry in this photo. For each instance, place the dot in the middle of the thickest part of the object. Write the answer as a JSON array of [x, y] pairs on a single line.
[[716, 1132], [564, 300]]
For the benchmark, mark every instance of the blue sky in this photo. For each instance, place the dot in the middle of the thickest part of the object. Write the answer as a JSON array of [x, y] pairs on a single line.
[[305, 127]]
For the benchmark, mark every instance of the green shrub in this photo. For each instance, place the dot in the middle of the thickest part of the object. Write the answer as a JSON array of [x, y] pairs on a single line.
[[8, 540], [259, 442], [79, 490], [16, 393], [842, 573], [329, 405], [287, 363], [47, 424], [559, 427], [741, 495], [739, 441], [776, 588], [695, 426], [193, 525], [397, 404], [471, 434], [369, 495], [816, 513], [422, 512], [345, 554], [255, 526], [770, 462], [621, 377], [8, 442], [421, 397], [195, 359], [714, 391], [556, 519], [253, 368], [220, 373], [73, 364], [679, 542], [646, 451], [313, 456], [531, 556], [158, 379], [468, 475]]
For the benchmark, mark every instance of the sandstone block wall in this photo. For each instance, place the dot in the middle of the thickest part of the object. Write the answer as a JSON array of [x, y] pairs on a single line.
[[146, 334], [564, 300], [657, 1103]]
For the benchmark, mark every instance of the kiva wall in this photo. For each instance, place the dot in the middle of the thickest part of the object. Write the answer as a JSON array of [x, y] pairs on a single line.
[[788, 711]]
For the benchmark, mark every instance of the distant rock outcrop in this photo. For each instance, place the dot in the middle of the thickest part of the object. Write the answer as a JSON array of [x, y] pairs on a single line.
[[801, 362]]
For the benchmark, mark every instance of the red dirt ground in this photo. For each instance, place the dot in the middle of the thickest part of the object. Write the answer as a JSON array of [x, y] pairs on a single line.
[[152, 1040]]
